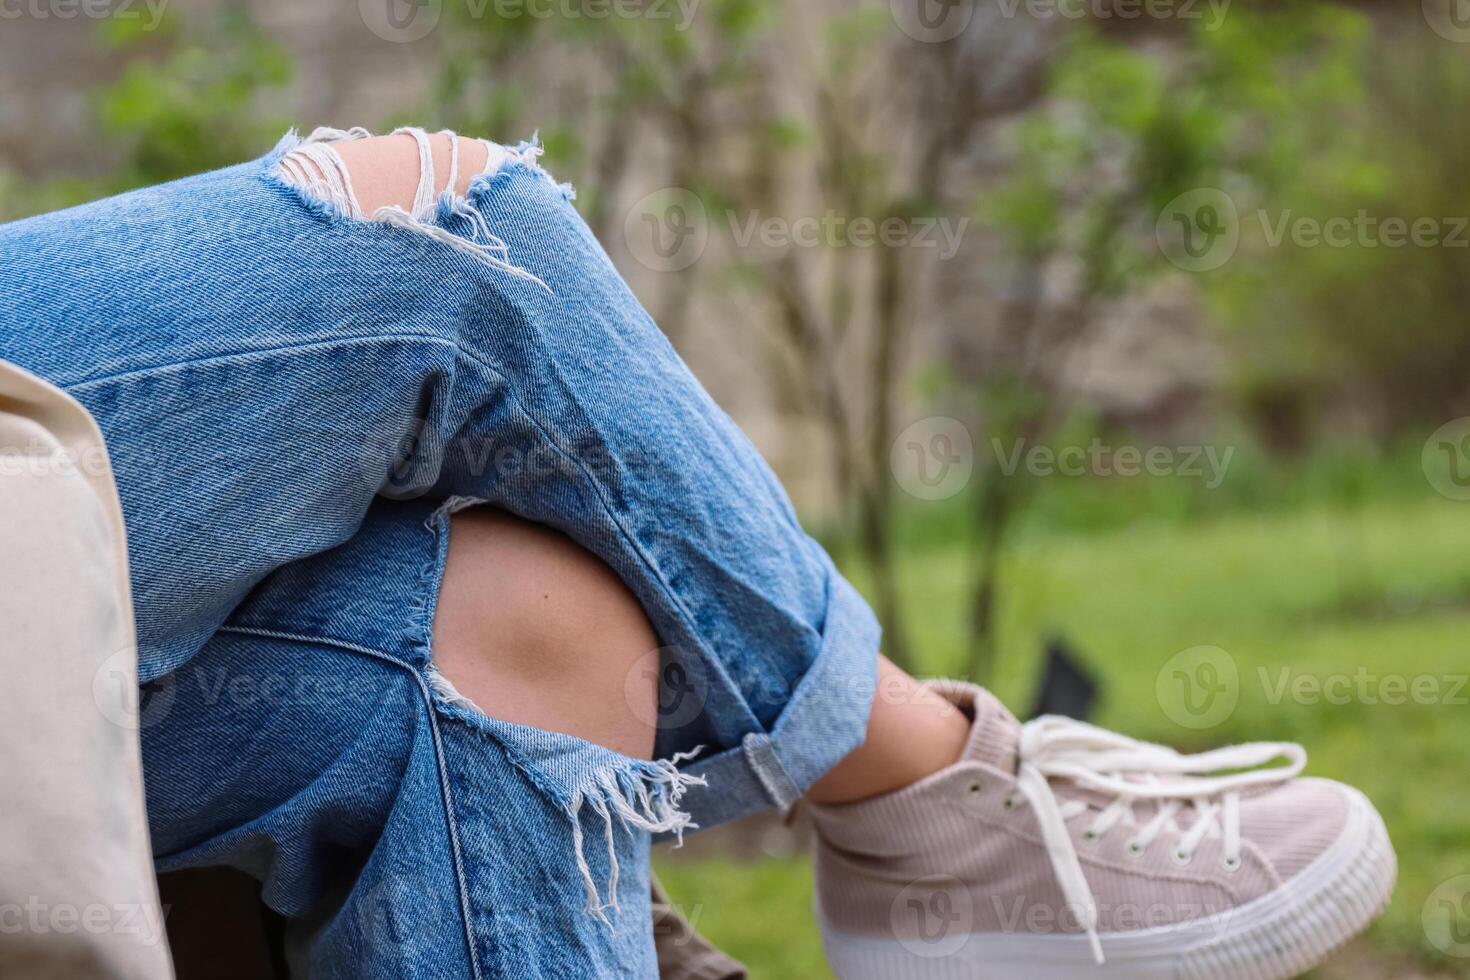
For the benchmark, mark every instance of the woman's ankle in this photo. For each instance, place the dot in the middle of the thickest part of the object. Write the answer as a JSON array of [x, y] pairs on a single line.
[[912, 733]]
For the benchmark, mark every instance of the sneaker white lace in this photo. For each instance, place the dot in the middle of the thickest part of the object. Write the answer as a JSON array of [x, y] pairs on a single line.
[[1057, 850]]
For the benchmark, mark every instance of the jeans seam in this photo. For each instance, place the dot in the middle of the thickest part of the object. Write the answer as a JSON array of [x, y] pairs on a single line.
[[261, 352], [553, 439], [446, 793]]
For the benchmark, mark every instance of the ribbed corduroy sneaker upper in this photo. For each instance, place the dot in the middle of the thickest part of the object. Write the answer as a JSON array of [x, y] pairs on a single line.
[[965, 849]]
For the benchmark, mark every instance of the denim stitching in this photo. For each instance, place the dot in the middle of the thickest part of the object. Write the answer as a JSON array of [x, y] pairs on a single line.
[[446, 793], [260, 352]]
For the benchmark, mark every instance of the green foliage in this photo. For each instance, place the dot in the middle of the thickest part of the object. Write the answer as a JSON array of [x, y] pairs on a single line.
[[195, 95], [1278, 591], [197, 107], [1372, 322], [1125, 130]]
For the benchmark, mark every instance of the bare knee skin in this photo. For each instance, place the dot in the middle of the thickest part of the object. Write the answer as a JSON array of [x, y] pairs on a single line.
[[535, 630], [385, 169]]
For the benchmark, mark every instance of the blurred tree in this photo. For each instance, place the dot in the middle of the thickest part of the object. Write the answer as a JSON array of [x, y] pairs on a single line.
[[1347, 301], [831, 110], [633, 79], [195, 95], [1124, 133], [203, 104]]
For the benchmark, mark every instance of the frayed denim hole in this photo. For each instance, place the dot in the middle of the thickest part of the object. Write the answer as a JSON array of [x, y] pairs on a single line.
[[621, 791], [332, 199]]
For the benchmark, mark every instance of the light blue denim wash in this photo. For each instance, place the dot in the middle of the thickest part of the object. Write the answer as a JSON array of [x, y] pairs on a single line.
[[295, 399]]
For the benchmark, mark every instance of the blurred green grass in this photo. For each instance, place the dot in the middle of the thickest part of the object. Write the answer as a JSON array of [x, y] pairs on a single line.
[[1379, 589]]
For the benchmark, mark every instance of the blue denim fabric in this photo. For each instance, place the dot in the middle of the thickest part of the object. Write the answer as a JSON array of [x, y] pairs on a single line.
[[403, 835], [293, 400]]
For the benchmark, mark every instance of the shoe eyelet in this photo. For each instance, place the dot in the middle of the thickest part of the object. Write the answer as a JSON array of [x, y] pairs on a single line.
[[1135, 849], [975, 788], [1182, 857], [1091, 836], [1010, 803], [1231, 863]]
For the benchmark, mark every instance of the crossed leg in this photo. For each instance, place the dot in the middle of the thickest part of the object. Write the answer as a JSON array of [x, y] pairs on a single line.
[[534, 629]]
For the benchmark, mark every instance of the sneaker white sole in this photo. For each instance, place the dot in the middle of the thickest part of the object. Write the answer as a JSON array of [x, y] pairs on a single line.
[[1275, 937]]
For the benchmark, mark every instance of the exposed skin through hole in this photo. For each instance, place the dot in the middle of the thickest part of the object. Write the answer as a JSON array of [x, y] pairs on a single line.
[[535, 630], [385, 169]]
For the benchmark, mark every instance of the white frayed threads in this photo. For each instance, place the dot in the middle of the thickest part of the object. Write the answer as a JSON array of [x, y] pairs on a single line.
[[316, 169], [642, 795], [449, 692]]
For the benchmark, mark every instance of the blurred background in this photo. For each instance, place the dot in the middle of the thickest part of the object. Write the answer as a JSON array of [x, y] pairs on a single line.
[[1136, 329]]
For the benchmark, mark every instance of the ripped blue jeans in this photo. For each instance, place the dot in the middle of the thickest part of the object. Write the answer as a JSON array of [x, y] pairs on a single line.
[[295, 397]]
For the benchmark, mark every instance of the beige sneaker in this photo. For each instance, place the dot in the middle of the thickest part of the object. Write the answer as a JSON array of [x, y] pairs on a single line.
[[1056, 849]]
